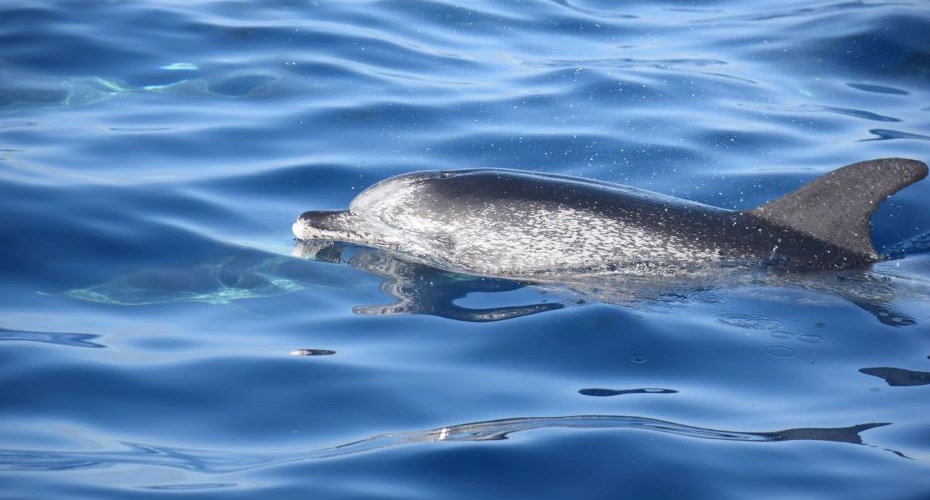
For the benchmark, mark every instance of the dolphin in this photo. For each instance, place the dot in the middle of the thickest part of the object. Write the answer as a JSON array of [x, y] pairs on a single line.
[[525, 225]]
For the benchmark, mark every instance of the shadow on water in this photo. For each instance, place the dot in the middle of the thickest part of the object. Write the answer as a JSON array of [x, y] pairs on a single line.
[[245, 275], [208, 461]]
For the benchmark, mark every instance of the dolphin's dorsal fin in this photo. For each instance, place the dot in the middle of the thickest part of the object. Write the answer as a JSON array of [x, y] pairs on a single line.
[[836, 207]]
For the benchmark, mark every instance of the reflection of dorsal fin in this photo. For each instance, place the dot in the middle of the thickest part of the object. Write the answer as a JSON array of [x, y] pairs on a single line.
[[836, 207]]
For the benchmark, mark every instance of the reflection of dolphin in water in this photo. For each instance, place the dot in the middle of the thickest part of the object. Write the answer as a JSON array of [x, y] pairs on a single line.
[[422, 289], [515, 224]]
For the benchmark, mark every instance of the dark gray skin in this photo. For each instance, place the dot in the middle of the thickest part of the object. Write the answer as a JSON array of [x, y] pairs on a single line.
[[525, 225]]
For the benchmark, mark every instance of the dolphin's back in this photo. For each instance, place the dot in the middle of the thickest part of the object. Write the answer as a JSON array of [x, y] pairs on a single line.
[[513, 223]]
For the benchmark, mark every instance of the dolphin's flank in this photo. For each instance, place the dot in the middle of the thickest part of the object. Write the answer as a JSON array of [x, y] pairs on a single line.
[[520, 224]]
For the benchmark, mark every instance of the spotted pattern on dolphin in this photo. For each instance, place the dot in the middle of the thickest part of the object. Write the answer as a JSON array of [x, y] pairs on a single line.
[[517, 224]]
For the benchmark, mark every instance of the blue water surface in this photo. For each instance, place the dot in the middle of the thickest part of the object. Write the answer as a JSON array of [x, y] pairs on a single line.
[[163, 335]]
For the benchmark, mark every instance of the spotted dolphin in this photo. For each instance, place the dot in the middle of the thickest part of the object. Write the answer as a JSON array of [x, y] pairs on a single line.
[[517, 224]]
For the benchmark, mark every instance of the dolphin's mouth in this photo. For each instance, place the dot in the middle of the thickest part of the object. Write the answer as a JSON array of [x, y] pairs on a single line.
[[341, 225]]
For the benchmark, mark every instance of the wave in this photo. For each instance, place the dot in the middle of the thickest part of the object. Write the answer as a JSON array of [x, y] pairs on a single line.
[[227, 461]]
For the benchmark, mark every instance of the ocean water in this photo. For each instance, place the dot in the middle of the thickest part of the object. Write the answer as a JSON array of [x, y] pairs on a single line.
[[163, 335]]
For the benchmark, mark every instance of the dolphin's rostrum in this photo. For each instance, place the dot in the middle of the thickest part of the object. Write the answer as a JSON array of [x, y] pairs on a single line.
[[517, 224]]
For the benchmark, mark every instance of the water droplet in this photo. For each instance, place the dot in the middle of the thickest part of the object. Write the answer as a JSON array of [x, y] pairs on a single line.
[[638, 359], [781, 334], [811, 339], [779, 351]]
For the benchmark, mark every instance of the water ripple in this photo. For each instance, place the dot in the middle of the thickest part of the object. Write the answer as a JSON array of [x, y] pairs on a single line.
[[855, 113], [190, 486], [883, 134], [225, 461], [57, 338], [601, 393], [804, 12], [592, 12], [623, 62], [878, 89]]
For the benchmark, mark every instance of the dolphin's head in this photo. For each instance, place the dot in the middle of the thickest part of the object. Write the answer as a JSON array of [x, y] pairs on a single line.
[[375, 215]]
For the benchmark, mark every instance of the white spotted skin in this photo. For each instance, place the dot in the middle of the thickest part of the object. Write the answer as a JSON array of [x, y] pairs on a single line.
[[490, 234]]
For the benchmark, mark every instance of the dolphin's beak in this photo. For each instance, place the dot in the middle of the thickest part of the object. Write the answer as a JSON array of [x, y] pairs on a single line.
[[318, 224]]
